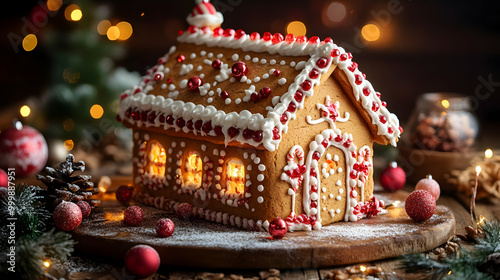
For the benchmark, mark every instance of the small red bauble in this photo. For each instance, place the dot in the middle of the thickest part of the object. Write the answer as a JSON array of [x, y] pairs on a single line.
[[124, 194], [23, 148], [420, 205], [278, 228], [254, 97], [185, 211], [216, 64], [133, 216], [239, 69], [142, 261], [393, 178], [165, 227], [4, 179], [194, 83], [85, 208], [224, 94], [67, 216], [265, 92], [429, 185], [277, 72]]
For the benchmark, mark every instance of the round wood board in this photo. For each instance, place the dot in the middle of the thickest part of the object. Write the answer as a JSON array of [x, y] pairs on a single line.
[[205, 244]]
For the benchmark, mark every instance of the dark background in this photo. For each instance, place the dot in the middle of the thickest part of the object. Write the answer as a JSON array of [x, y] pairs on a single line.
[[427, 46]]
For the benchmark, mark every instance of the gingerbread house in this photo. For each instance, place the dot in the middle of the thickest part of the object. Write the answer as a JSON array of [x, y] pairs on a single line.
[[249, 127]]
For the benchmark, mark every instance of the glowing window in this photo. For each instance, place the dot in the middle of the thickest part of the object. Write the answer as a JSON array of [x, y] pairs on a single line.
[[235, 180], [193, 170], [156, 159]]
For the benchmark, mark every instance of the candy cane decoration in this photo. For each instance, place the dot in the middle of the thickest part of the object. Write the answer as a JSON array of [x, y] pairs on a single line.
[[294, 171]]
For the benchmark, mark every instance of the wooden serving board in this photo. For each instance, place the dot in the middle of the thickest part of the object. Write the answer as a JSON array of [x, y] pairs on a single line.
[[205, 244]]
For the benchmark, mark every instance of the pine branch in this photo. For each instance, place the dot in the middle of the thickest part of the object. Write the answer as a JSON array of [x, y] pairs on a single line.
[[465, 265], [27, 208], [31, 253]]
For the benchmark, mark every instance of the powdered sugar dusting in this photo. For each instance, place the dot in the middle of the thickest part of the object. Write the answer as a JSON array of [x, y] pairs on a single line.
[[107, 223]]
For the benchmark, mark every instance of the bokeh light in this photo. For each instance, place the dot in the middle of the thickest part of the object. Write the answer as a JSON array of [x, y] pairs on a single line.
[[370, 32], [113, 33], [46, 264], [445, 103], [103, 26], [96, 111], [29, 42], [296, 28], [54, 5], [125, 30], [25, 111], [336, 12], [73, 13], [488, 153], [69, 144]]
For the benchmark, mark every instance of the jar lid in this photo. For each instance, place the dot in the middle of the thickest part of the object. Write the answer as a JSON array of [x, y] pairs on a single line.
[[445, 100]]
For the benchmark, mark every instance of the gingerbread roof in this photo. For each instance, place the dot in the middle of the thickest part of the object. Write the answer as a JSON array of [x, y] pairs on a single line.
[[244, 89]]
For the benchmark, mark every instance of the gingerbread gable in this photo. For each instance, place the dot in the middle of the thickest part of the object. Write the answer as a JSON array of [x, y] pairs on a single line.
[[240, 89]]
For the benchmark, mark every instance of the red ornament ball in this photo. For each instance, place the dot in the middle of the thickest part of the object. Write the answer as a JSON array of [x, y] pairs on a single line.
[[23, 148], [393, 178], [124, 194], [278, 228], [429, 185], [85, 208], [142, 261], [165, 227], [67, 216], [239, 69], [185, 211], [133, 216], [420, 205], [4, 179]]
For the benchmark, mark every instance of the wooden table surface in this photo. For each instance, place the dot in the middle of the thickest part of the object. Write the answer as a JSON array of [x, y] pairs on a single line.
[[391, 268]]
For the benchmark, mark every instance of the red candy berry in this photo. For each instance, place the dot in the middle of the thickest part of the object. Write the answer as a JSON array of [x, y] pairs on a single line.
[[216, 64], [194, 83], [142, 261], [124, 194], [393, 178], [165, 227], [224, 94], [239, 69], [133, 216], [67, 216], [420, 205], [278, 228], [429, 185], [185, 211], [265, 92], [85, 208]]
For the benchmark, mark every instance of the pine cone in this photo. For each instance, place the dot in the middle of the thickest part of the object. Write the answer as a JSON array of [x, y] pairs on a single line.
[[61, 185]]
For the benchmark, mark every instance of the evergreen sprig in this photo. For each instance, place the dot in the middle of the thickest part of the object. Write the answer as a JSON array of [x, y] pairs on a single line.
[[33, 242], [31, 253], [27, 209], [465, 265]]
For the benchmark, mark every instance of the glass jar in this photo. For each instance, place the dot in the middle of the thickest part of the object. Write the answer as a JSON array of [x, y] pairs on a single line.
[[442, 122]]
